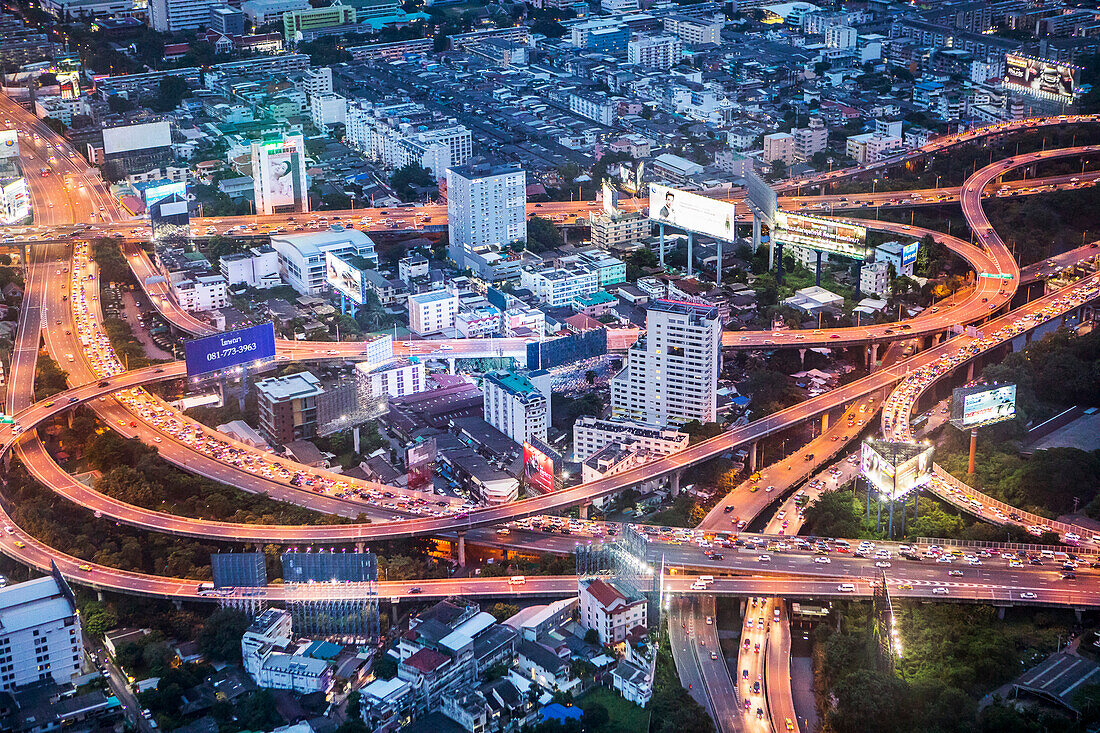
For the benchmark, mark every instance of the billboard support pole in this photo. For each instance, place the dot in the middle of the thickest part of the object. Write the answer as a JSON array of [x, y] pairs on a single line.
[[718, 267], [691, 240], [756, 234], [662, 246], [973, 448], [818, 268]]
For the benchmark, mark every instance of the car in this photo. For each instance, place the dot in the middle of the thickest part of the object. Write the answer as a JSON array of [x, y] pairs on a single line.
[[764, 558], [822, 560], [714, 655], [1028, 595], [744, 674], [760, 713], [747, 644], [788, 724], [756, 687], [955, 573], [939, 590], [20, 544], [756, 648], [846, 588], [905, 586], [710, 620], [85, 568], [748, 623], [414, 590], [882, 564]]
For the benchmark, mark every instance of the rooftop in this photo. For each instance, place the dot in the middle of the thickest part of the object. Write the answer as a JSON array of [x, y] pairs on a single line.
[[290, 387]]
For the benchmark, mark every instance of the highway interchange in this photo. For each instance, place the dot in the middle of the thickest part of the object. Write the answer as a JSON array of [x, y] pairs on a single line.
[[788, 573]]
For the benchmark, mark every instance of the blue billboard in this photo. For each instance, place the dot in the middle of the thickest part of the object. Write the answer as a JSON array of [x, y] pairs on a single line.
[[230, 349], [909, 254]]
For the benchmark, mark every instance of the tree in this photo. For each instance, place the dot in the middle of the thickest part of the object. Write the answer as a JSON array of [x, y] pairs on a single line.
[[779, 169], [548, 27], [411, 176], [385, 667], [503, 611], [590, 377], [54, 124], [542, 235], [220, 637], [171, 92], [592, 636]]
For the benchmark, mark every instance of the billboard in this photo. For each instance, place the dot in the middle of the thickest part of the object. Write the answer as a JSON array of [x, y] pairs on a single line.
[[895, 469], [610, 199], [155, 193], [238, 569], [169, 219], [631, 176], [1049, 79], [229, 349], [344, 277], [980, 405], [328, 567], [692, 212], [538, 469], [145, 136], [761, 196], [279, 174], [17, 201], [9, 144], [909, 254], [828, 235]]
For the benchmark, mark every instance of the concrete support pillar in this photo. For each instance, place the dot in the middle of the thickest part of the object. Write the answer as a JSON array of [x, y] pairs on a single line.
[[691, 242], [819, 268], [874, 357], [450, 366], [177, 604], [1001, 612], [360, 546], [1079, 614], [970, 371], [99, 596], [973, 448], [461, 549], [355, 438], [824, 423], [756, 235], [674, 483], [752, 457], [583, 510], [662, 245], [744, 606], [1027, 337]]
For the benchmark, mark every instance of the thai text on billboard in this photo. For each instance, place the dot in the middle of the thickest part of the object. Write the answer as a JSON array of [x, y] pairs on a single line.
[[17, 201], [229, 349], [692, 212], [977, 406], [828, 235], [538, 469], [909, 254], [895, 469], [1042, 78], [344, 277]]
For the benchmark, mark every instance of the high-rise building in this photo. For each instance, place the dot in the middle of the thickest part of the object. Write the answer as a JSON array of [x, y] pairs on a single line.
[[486, 207], [173, 16], [432, 312], [779, 146], [515, 406], [814, 138], [288, 407], [39, 633], [279, 174], [303, 258], [655, 52], [671, 376]]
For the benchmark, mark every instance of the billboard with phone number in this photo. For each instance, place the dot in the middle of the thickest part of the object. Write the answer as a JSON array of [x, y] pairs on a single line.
[[538, 469], [230, 349], [909, 254]]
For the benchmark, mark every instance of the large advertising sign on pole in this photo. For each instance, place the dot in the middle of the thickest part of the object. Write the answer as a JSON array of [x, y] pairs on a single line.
[[538, 469], [895, 469], [154, 194], [344, 277], [828, 235], [9, 144], [981, 405], [420, 462], [1048, 79], [692, 212], [17, 201], [229, 349], [909, 254], [761, 196]]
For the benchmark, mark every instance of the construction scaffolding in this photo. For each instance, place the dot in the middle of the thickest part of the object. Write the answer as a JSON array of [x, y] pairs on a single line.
[[625, 562], [344, 612]]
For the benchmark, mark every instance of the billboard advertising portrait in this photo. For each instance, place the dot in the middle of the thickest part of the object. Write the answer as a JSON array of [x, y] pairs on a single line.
[[9, 144], [344, 277], [538, 469], [909, 254], [828, 235], [692, 212], [981, 405], [229, 349], [895, 469], [1042, 78], [280, 177]]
